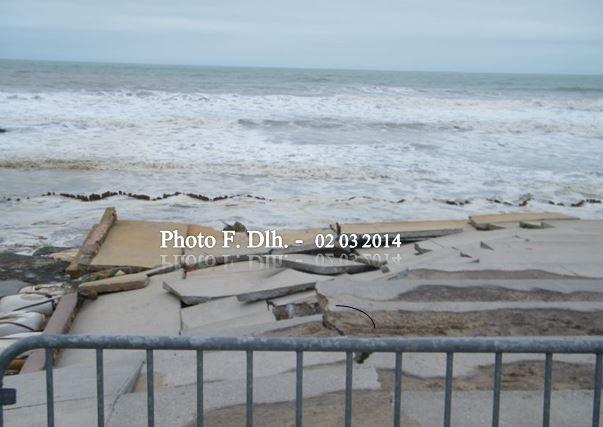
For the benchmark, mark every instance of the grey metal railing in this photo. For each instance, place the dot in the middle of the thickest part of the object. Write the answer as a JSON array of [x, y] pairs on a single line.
[[398, 346]]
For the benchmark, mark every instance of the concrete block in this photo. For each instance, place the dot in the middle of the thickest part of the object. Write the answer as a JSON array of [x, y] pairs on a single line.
[[125, 282]]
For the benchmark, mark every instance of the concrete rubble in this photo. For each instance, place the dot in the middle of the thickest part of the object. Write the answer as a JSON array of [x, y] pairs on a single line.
[[510, 275]]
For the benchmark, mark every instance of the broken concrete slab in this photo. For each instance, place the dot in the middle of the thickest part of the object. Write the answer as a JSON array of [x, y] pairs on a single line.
[[147, 311], [221, 310], [318, 264], [176, 406], [407, 231], [237, 250], [481, 222], [253, 330], [399, 289], [282, 283], [76, 381], [75, 393], [175, 368], [59, 323], [124, 282], [292, 298], [138, 244], [95, 238], [207, 284], [565, 249]]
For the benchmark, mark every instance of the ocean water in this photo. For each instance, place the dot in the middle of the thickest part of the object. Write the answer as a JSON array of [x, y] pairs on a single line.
[[314, 146]]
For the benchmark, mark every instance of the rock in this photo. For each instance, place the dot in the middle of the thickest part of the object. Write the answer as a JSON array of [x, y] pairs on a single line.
[[31, 269], [237, 227]]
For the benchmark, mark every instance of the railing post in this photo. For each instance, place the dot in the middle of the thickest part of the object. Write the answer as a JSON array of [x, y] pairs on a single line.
[[200, 415], [348, 388], [150, 390], [299, 378], [398, 390], [546, 406], [497, 384], [249, 388], [49, 388], [448, 389], [100, 392], [597, 390]]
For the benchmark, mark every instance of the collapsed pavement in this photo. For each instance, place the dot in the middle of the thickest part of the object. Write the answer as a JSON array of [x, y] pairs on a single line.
[[533, 274]]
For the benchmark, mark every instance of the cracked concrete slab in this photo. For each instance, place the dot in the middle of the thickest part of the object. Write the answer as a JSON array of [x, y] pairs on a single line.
[[222, 310], [147, 311]]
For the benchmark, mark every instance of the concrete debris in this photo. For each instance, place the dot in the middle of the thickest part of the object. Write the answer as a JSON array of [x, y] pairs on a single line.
[[530, 274], [126, 282], [534, 225], [319, 264]]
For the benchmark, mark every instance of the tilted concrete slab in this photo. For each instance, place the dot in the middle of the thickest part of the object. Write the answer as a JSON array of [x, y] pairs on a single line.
[[318, 264], [293, 298], [147, 311], [395, 289], [126, 282], [569, 248], [253, 330], [177, 406], [220, 310], [404, 228], [137, 244], [284, 282], [202, 285]]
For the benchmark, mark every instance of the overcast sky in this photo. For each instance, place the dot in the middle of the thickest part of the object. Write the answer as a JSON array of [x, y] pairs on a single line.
[[550, 36]]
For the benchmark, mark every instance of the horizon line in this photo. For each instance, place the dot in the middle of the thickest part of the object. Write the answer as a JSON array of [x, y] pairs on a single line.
[[301, 68]]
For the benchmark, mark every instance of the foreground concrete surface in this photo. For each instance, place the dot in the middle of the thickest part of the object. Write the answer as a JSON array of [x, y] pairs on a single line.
[[507, 281]]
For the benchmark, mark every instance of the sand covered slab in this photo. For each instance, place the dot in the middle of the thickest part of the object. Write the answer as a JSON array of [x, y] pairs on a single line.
[[137, 244], [177, 405], [406, 229]]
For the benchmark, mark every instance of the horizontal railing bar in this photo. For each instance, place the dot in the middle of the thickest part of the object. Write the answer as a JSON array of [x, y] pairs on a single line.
[[423, 345]]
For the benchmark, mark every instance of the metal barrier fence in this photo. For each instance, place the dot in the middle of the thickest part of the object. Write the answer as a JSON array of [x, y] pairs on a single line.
[[398, 346]]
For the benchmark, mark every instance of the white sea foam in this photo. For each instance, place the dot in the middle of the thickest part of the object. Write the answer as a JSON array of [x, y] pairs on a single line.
[[308, 149]]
